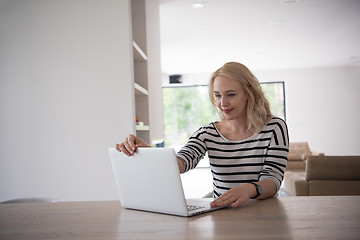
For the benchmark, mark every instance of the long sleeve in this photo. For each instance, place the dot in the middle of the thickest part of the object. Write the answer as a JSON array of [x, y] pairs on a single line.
[[194, 150], [277, 152]]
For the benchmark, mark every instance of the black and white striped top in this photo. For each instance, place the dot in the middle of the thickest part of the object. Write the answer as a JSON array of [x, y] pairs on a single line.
[[261, 156]]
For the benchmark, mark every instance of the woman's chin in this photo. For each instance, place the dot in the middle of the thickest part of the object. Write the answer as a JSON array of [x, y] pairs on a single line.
[[228, 117]]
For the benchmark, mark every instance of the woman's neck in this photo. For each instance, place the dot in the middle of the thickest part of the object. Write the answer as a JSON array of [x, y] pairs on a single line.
[[235, 130]]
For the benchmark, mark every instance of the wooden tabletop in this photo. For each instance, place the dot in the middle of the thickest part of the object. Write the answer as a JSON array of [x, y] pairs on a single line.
[[275, 218]]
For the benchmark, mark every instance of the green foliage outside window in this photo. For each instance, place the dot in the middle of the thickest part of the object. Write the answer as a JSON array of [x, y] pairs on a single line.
[[185, 110]]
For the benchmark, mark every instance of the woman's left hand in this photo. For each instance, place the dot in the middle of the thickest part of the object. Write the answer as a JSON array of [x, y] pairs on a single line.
[[235, 196]]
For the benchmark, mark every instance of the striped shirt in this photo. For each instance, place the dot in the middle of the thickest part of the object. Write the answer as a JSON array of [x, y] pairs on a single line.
[[261, 156]]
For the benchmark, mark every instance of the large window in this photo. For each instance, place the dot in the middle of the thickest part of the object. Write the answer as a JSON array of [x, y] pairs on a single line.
[[188, 108]]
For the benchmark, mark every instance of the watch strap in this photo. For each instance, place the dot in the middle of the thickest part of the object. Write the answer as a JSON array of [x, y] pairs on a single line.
[[257, 190]]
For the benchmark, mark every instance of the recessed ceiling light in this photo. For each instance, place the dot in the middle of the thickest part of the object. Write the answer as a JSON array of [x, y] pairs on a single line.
[[198, 5]]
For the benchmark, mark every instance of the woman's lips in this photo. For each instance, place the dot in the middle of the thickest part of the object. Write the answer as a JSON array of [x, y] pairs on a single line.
[[227, 111]]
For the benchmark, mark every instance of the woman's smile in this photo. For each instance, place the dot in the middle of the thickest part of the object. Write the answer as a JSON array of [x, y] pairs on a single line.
[[227, 110]]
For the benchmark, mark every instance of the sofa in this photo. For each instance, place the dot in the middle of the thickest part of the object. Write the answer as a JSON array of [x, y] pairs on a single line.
[[298, 154], [325, 176]]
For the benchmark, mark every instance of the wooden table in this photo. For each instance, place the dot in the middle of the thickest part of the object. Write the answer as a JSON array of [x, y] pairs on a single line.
[[275, 218]]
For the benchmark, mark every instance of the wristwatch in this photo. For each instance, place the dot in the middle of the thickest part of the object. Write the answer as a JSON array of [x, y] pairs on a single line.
[[259, 190]]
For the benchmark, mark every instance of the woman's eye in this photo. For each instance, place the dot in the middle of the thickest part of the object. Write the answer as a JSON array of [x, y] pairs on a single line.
[[217, 95], [231, 95]]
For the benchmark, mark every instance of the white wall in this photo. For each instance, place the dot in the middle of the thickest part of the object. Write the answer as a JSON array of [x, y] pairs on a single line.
[[65, 75], [321, 105]]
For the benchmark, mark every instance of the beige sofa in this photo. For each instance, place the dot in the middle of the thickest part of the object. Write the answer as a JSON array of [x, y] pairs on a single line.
[[325, 176], [298, 154]]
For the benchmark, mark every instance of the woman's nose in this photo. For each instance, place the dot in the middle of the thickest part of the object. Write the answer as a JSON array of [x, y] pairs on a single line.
[[224, 101]]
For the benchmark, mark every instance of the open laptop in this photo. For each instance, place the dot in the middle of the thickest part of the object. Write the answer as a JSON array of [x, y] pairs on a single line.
[[150, 180]]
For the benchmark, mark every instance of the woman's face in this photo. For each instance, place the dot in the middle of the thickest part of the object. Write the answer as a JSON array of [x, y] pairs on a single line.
[[230, 97]]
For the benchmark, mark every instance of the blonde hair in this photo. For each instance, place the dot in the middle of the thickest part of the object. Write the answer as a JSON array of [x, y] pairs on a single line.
[[258, 111]]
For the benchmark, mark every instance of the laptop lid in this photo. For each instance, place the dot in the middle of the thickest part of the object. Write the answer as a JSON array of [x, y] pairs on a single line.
[[149, 180]]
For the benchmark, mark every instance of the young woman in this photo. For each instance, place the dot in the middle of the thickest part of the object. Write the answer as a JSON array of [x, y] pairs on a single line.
[[247, 148]]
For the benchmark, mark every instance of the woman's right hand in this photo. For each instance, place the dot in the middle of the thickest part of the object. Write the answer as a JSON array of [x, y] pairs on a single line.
[[130, 144]]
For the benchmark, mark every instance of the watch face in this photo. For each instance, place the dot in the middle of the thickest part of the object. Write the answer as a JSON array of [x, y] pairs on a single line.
[[259, 189]]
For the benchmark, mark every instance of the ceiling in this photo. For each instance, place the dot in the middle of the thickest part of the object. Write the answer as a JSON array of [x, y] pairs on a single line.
[[262, 34]]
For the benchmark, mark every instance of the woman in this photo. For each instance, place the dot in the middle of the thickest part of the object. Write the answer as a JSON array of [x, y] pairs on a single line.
[[247, 148]]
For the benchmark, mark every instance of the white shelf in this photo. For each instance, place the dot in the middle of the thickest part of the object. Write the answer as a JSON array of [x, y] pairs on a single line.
[[140, 63], [139, 54], [142, 128], [139, 90]]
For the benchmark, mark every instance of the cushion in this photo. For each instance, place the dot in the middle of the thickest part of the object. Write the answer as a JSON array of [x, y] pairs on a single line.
[[298, 151], [333, 168], [332, 188]]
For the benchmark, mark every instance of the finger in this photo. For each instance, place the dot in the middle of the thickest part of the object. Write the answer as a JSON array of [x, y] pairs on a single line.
[[132, 142], [238, 203], [117, 147], [127, 146], [225, 196], [125, 149], [130, 145], [228, 202], [223, 201]]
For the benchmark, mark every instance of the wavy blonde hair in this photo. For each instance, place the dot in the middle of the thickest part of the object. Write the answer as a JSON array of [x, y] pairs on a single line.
[[258, 111]]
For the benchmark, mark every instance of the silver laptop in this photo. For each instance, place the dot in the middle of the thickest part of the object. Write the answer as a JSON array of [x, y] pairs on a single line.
[[150, 181]]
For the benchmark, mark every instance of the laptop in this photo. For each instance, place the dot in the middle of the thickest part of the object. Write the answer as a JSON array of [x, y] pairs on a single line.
[[150, 181]]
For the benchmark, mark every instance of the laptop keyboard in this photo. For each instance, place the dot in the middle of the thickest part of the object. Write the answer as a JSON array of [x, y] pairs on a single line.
[[193, 207]]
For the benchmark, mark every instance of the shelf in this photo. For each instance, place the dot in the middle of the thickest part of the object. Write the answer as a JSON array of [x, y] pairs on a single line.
[[142, 128], [139, 90], [140, 65], [139, 54]]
